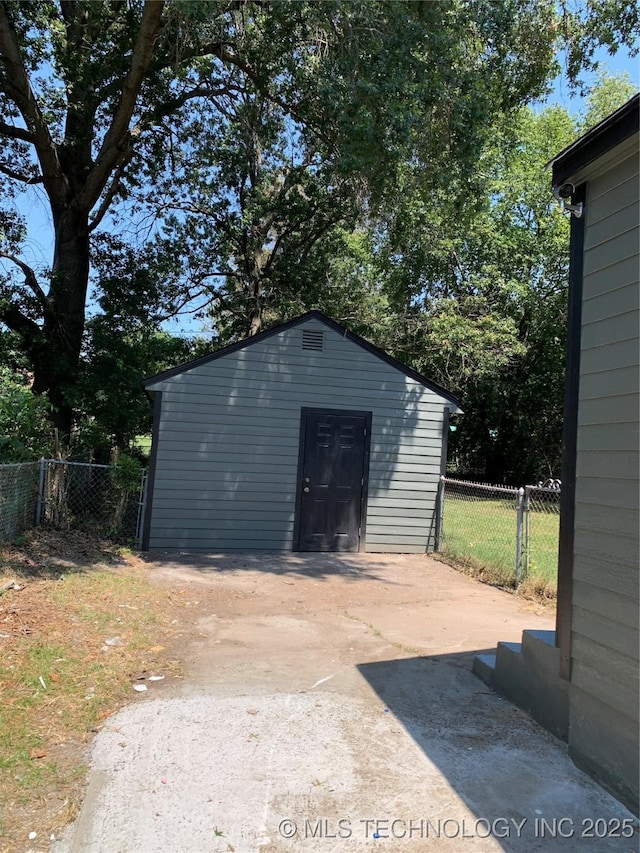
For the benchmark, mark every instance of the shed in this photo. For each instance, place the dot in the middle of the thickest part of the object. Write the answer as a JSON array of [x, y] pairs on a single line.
[[582, 682], [305, 437]]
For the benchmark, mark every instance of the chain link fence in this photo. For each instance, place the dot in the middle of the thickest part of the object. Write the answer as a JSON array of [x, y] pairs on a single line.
[[510, 533], [105, 500], [18, 498], [542, 531]]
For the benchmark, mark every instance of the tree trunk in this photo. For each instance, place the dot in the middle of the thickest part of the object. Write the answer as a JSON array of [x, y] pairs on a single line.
[[56, 362]]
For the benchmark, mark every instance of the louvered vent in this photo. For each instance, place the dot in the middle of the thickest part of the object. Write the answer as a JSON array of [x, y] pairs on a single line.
[[312, 339]]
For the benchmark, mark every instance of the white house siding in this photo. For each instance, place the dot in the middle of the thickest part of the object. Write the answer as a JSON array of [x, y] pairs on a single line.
[[227, 458], [604, 680]]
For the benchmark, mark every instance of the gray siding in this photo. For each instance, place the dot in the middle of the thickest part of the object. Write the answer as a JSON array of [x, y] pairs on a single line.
[[606, 551], [227, 459]]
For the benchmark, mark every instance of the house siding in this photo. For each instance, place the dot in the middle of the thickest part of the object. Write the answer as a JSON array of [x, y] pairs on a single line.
[[605, 660], [227, 456]]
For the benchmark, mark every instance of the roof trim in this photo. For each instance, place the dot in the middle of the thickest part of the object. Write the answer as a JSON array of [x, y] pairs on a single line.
[[611, 131], [310, 315]]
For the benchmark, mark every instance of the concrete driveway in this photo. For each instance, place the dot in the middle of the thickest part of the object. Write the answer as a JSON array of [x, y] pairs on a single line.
[[328, 705]]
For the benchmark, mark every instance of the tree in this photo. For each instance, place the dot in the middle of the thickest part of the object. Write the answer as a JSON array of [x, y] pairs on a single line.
[[609, 92], [135, 292], [476, 292], [589, 24], [257, 213], [91, 94]]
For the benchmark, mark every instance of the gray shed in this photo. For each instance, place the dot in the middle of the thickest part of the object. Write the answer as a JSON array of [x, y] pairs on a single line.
[[305, 437]]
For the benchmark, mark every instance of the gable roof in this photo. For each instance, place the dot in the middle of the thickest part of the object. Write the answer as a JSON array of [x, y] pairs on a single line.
[[611, 131], [303, 318]]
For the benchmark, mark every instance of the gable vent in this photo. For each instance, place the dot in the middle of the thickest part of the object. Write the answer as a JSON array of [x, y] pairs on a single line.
[[312, 339]]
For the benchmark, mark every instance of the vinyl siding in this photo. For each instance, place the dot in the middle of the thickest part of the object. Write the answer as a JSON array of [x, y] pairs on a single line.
[[227, 456], [606, 550]]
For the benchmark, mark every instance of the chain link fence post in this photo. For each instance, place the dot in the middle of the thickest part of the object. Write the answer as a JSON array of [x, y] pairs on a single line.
[[519, 520], [527, 531], [40, 500], [477, 527], [142, 505], [439, 514]]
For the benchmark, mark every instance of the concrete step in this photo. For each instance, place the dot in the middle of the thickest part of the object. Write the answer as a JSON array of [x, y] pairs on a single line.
[[540, 652], [527, 673], [484, 666], [508, 656]]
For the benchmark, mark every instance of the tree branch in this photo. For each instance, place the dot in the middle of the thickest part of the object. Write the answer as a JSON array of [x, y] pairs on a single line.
[[117, 137], [19, 89], [30, 278], [13, 132], [105, 204], [15, 320], [20, 176]]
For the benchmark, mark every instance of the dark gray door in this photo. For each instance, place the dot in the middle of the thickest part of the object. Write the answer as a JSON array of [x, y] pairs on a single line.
[[332, 479]]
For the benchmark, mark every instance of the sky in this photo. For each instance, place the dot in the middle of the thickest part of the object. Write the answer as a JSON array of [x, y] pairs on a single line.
[[39, 244]]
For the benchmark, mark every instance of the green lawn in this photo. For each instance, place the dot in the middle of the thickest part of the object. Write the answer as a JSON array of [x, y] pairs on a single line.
[[143, 443], [483, 532]]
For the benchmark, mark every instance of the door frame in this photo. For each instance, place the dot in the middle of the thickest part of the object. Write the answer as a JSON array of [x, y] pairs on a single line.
[[304, 411]]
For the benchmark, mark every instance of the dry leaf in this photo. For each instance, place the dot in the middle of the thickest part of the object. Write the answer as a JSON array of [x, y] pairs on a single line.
[[156, 649], [37, 753], [102, 715]]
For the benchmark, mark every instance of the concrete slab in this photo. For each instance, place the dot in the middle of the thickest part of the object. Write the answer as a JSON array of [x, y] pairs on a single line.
[[328, 704]]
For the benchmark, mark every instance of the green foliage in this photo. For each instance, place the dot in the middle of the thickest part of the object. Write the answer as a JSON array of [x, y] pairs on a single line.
[[127, 472], [112, 407], [475, 291], [25, 431], [610, 92], [261, 127], [590, 24]]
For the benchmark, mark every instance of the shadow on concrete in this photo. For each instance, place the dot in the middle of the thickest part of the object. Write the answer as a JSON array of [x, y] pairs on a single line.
[[320, 566], [508, 771]]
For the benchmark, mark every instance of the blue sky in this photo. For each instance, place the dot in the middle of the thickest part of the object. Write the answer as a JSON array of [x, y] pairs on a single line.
[[617, 64]]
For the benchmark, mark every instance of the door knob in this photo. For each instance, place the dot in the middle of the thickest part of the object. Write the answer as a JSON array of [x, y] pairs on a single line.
[[306, 488]]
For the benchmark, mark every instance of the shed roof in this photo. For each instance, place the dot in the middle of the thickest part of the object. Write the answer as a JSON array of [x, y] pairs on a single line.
[[303, 318], [611, 131]]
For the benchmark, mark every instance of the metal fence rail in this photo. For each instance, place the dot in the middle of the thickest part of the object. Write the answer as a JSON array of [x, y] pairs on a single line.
[[70, 495], [513, 532]]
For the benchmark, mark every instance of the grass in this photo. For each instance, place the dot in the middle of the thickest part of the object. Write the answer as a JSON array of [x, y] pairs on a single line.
[[60, 680], [143, 443], [480, 535]]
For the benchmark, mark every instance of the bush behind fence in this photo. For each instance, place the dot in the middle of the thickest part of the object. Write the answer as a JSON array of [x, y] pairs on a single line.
[[106, 500], [513, 532]]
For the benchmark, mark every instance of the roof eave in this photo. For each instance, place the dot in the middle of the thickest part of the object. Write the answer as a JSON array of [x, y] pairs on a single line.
[[611, 131]]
